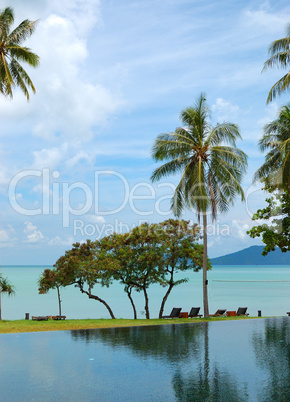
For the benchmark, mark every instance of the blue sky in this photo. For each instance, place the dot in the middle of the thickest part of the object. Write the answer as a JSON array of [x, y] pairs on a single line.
[[75, 160]]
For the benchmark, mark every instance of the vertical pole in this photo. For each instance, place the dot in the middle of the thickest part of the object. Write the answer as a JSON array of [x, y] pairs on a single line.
[[204, 269]]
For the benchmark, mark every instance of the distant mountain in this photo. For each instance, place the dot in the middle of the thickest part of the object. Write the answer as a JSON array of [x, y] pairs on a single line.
[[253, 256]]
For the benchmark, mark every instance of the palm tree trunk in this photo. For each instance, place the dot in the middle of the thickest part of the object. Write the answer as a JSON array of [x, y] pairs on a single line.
[[0, 303], [204, 267]]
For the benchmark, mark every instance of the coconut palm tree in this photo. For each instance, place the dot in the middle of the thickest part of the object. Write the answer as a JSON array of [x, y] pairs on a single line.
[[276, 138], [5, 287], [12, 54], [280, 57], [211, 168]]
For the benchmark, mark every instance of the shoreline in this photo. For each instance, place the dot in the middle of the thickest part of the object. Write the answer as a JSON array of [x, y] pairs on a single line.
[[25, 326]]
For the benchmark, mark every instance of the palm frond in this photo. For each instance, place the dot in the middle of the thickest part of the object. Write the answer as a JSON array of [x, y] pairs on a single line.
[[23, 54], [6, 20], [170, 145], [22, 32], [7, 77], [224, 132], [169, 168], [211, 172], [279, 87], [21, 78]]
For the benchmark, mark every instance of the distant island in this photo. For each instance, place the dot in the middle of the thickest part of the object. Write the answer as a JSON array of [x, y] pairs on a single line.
[[253, 256]]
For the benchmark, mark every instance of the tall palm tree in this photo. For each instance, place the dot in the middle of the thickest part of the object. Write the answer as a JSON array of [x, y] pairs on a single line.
[[280, 57], [5, 287], [211, 171], [276, 138], [12, 53]]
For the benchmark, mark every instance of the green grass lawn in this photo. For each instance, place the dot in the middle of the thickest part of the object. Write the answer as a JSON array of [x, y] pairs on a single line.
[[17, 326]]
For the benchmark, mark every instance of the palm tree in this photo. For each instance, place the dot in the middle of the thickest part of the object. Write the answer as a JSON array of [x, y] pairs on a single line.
[[12, 53], [280, 57], [5, 287], [211, 171], [276, 138]]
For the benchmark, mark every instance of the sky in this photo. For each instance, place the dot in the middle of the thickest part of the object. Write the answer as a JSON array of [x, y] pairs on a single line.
[[75, 161]]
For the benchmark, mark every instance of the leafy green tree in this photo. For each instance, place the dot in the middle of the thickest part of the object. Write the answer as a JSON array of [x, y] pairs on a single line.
[[84, 267], [211, 172], [276, 233], [144, 261], [154, 253], [275, 170], [280, 57], [5, 287], [51, 279], [12, 54], [180, 252], [117, 250]]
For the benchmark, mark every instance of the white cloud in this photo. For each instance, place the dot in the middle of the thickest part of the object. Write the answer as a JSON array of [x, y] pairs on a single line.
[[265, 18], [4, 236], [33, 235], [7, 237], [68, 104], [84, 13], [80, 156], [58, 241], [224, 110], [271, 114], [95, 219], [240, 229], [48, 158]]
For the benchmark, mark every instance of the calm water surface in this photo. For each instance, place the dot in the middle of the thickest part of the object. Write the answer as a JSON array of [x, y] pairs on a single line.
[[219, 361], [265, 288]]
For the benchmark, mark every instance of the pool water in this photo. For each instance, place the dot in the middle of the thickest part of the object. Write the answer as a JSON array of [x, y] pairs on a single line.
[[247, 360]]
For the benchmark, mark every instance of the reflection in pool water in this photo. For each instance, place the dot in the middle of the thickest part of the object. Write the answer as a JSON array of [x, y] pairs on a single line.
[[218, 361]]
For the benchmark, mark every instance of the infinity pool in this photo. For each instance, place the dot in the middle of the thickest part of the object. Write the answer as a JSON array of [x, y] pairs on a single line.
[[219, 361]]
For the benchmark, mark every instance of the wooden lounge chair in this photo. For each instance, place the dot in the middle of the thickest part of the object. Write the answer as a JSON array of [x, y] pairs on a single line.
[[218, 313], [194, 312], [58, 317], [242, 311], [174, 313], [40, 318]]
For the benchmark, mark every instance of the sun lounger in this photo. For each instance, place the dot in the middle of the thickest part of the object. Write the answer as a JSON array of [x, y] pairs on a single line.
[[174, 313], [40, 318], [218, 313], [58, 317], [242, 311], [194, 312]]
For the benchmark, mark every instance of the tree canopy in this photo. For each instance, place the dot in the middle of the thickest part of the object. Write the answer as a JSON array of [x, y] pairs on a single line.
[[275, 171], [5, 287], [148, 254], [13, 53], [276, 233], [280, 57], [209, 163]]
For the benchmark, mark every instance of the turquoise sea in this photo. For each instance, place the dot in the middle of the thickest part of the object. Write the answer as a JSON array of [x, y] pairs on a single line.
[[265, 288]]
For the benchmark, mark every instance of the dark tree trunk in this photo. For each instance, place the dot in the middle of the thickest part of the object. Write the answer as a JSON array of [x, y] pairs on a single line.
[[147, 314], [171, 285], [98, 299], [129, 291]]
